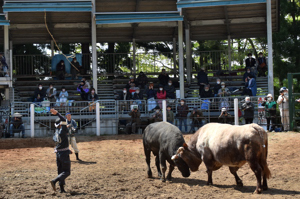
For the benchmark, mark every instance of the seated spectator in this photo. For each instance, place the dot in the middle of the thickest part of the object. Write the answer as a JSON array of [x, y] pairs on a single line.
[[60, 70], [132, 89], [196, 118], [202, 80], [170, 89], [124, 97], [248, 109], [151, 95], [87, 83], [225, 117], [262, 67], [92, 97], [75, 71], [51, 93], [17, 125], [160, 95], [206, 92], [250, 63], [223, 91], [250, 86], [63, 96], [138, 95], [128, 85], [156, 116], [170, 115], [39, 93], [217, 87], [246, 75], [83, 89], [4, 66], [142, 80], [163, 77], [135, 122]]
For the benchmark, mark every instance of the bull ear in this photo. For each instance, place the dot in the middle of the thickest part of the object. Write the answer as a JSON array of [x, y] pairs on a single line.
[[185, 146]]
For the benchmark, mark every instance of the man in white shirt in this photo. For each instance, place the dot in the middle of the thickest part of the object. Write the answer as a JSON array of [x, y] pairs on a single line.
[[283, 102]]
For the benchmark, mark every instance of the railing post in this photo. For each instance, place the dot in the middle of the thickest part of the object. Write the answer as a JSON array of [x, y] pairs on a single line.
[[32, 120], [236, 111], [164, 106], [97, 119]]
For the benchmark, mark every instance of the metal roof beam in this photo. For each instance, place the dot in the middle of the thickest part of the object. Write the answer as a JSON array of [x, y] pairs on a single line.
[[58, 25], [206, 3], [232, 21], [227, 21]]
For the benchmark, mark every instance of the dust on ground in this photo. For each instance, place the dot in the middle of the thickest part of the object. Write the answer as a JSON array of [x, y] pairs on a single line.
[[115, 167]]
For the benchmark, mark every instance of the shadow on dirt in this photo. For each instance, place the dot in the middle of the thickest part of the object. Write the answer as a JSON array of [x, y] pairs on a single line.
[[84, 162]]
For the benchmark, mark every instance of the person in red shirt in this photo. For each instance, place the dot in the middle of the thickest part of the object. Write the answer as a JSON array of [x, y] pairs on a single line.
[[161, 94]]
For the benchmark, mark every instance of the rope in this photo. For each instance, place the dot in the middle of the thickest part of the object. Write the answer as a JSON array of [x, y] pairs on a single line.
[[67, 57]]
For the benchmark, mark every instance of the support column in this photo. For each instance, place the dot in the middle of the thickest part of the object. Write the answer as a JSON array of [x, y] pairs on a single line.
[[32, 120], [94, 50], [10, 65], [229, 53], [188, 50], [180, 50], [6, 42], [98, 133], [270, 49], [174, 56], [133, 56], [52, 48]]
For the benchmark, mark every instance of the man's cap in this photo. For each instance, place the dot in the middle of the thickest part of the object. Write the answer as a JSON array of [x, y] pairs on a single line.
[[223, 83], [17, 115], [223, 109], [157, 107], [68, 113], [270, 95]]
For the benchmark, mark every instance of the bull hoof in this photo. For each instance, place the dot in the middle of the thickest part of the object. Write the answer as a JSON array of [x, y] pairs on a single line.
[[209, 183], [163, 180], [257, 191], [240, 183], [169, 179], [149, 176]]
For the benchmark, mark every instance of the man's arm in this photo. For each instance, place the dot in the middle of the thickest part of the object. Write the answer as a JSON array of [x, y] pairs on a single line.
[[55, 112]]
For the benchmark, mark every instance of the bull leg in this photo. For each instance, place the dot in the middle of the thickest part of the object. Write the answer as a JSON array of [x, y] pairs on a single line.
[[209, 180], [169, 176], [147, 154], [163, 167], [265, 184], [256, 168], [233, 170], [157, 165]]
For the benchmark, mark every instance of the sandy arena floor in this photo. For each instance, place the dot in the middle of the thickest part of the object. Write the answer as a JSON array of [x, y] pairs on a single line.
[[115, 167]]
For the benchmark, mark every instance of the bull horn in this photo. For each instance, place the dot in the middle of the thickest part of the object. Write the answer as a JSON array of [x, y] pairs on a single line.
[[180, 149], [174, 157]]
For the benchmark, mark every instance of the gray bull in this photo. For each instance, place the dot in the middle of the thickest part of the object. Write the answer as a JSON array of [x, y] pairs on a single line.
[[223, 144], [163, 139]]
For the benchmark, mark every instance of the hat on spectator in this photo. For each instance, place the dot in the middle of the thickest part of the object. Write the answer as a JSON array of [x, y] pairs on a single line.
[[222, 83], [223, 109], [17, 115], [270, 95], [68, 113], [157, 107]]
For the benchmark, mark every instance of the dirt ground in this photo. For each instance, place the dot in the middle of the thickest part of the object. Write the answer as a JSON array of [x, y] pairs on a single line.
[[115, 167]]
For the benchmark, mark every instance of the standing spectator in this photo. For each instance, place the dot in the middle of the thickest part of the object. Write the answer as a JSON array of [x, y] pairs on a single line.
[[224, 117], [206, 92], [124, 97], [270, 109], [72, 126], [246, 75], [217, 87], [250, 86], [83, 89], [182, 111], [170, 89], [135, 122], [283, 102], [170, 115], [156, 116], [92, 97], [4, 66], [160, 95], [63, 96], [163, 77], [248, 108], [60, 70], [250, 62], [202, 80], [196, 118], [75, 71], [51, 93], [39, 93], [17, 125], [151, 95], [142, 80], [262, 67]]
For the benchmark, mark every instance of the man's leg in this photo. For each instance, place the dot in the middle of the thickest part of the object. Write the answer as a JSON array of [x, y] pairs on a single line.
[[133, 128], [11, 129], [74, 146], [180, 124], [287, 121], [22, 128], [66, 169], [185, 124]]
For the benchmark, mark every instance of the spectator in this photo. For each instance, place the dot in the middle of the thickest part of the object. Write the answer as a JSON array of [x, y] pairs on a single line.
[[206, 92], [160, 95], [248, 109], [142, 80], [138, 95], [163, 77], [262, 67], [151, 95], [270, 109], [17, 125], [132, 89], [170, 115], [217, 87], [283, 102], [250, 62], [83, 89], [250, 86], [156, 116], [128, 85], [182, 111], [202, 80], [196, 118], [51, 93], [87, 83], [124, 97], [246, 75], [60, 70], [170, 89], [39, 93], [63, 96], [225, 117], [92, 97], [4, 66], [223, 91], [75, 71], [135, 122]]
